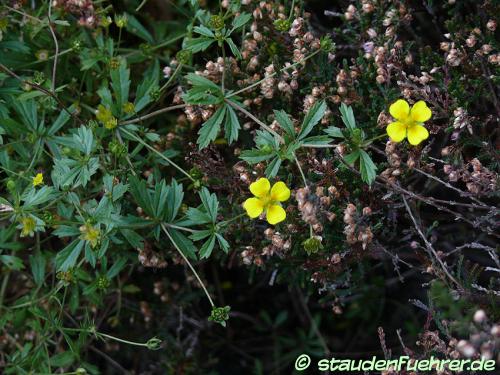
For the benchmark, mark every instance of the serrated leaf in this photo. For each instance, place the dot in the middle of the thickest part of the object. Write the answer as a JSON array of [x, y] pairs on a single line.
[[313, 116], [183, 243], [207, 247], [284, 121], [347, 116], [209, 130], [203, 30], [255, 156], [67, 257], [241, 20], [273, 168], [120, 81], [199, 44], [231, 125], [334, 132], [367, 168], [234, 49], [352, 157]]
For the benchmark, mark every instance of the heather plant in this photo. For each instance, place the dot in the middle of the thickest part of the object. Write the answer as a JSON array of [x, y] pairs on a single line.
[[200, 187]]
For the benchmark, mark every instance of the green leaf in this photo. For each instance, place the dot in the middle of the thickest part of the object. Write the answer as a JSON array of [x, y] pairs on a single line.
[[209, 130], [352, 157], [61, 120], [135, 27], [183, 243], [197, 216], [203, 30], [197, 80], [120, 81], [67, 257], [367, 168], [38, 263], [255, 156], [210, 203], [234, 49], [224, 245], [334, 132], [199, 44], [347, 116], [284, 121], [313, 116], [273, 168], [207, 247], [231, 125], [12, 262], [317, 140], [241, 20]]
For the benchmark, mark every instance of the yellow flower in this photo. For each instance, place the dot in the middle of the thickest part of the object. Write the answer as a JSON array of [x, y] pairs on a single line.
[[267, 199], [28, 226], [90, 234], [408, 121], [38, 179]]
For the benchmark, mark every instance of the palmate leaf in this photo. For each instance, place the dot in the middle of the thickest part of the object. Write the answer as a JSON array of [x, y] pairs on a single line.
[[256, 155]]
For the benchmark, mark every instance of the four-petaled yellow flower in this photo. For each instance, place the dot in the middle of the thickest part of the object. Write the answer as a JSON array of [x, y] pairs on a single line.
[[267, 199], [408, 121], [38, 179]]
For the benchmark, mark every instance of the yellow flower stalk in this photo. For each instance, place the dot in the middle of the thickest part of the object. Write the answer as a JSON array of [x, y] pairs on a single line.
[[38, 179], [408, 122], [267, 199]]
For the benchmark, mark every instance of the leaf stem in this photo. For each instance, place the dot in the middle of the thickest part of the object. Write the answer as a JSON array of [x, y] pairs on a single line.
[[189, 264]]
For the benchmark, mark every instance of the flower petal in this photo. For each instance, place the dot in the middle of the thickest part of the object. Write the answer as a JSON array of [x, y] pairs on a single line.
[[275, 214], [280, 192], [420, 112], [396, 131], [400, 109], [416, 134], [254, 207], [261, 187]]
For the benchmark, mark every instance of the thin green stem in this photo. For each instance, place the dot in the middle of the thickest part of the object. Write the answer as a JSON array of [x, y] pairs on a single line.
[[189, 264], [132, 135], [248, 114], [174, 74], [153, 114]]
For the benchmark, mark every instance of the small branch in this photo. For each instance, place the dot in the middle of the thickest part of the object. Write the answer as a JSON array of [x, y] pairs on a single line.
[[255, 119], [54, 67], [189, 264], [41, 89], [153, 114], [428, 245]]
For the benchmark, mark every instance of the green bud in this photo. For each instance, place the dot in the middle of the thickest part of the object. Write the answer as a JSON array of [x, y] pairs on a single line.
[[121, 21], [312, 245], [282, 25], [114, 63], [216, 22], [220, 315], [154, 344], [183, 56], [327, 44], [155, 93], [11, 185], [102, 282], [80, 371], [76, 45]]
